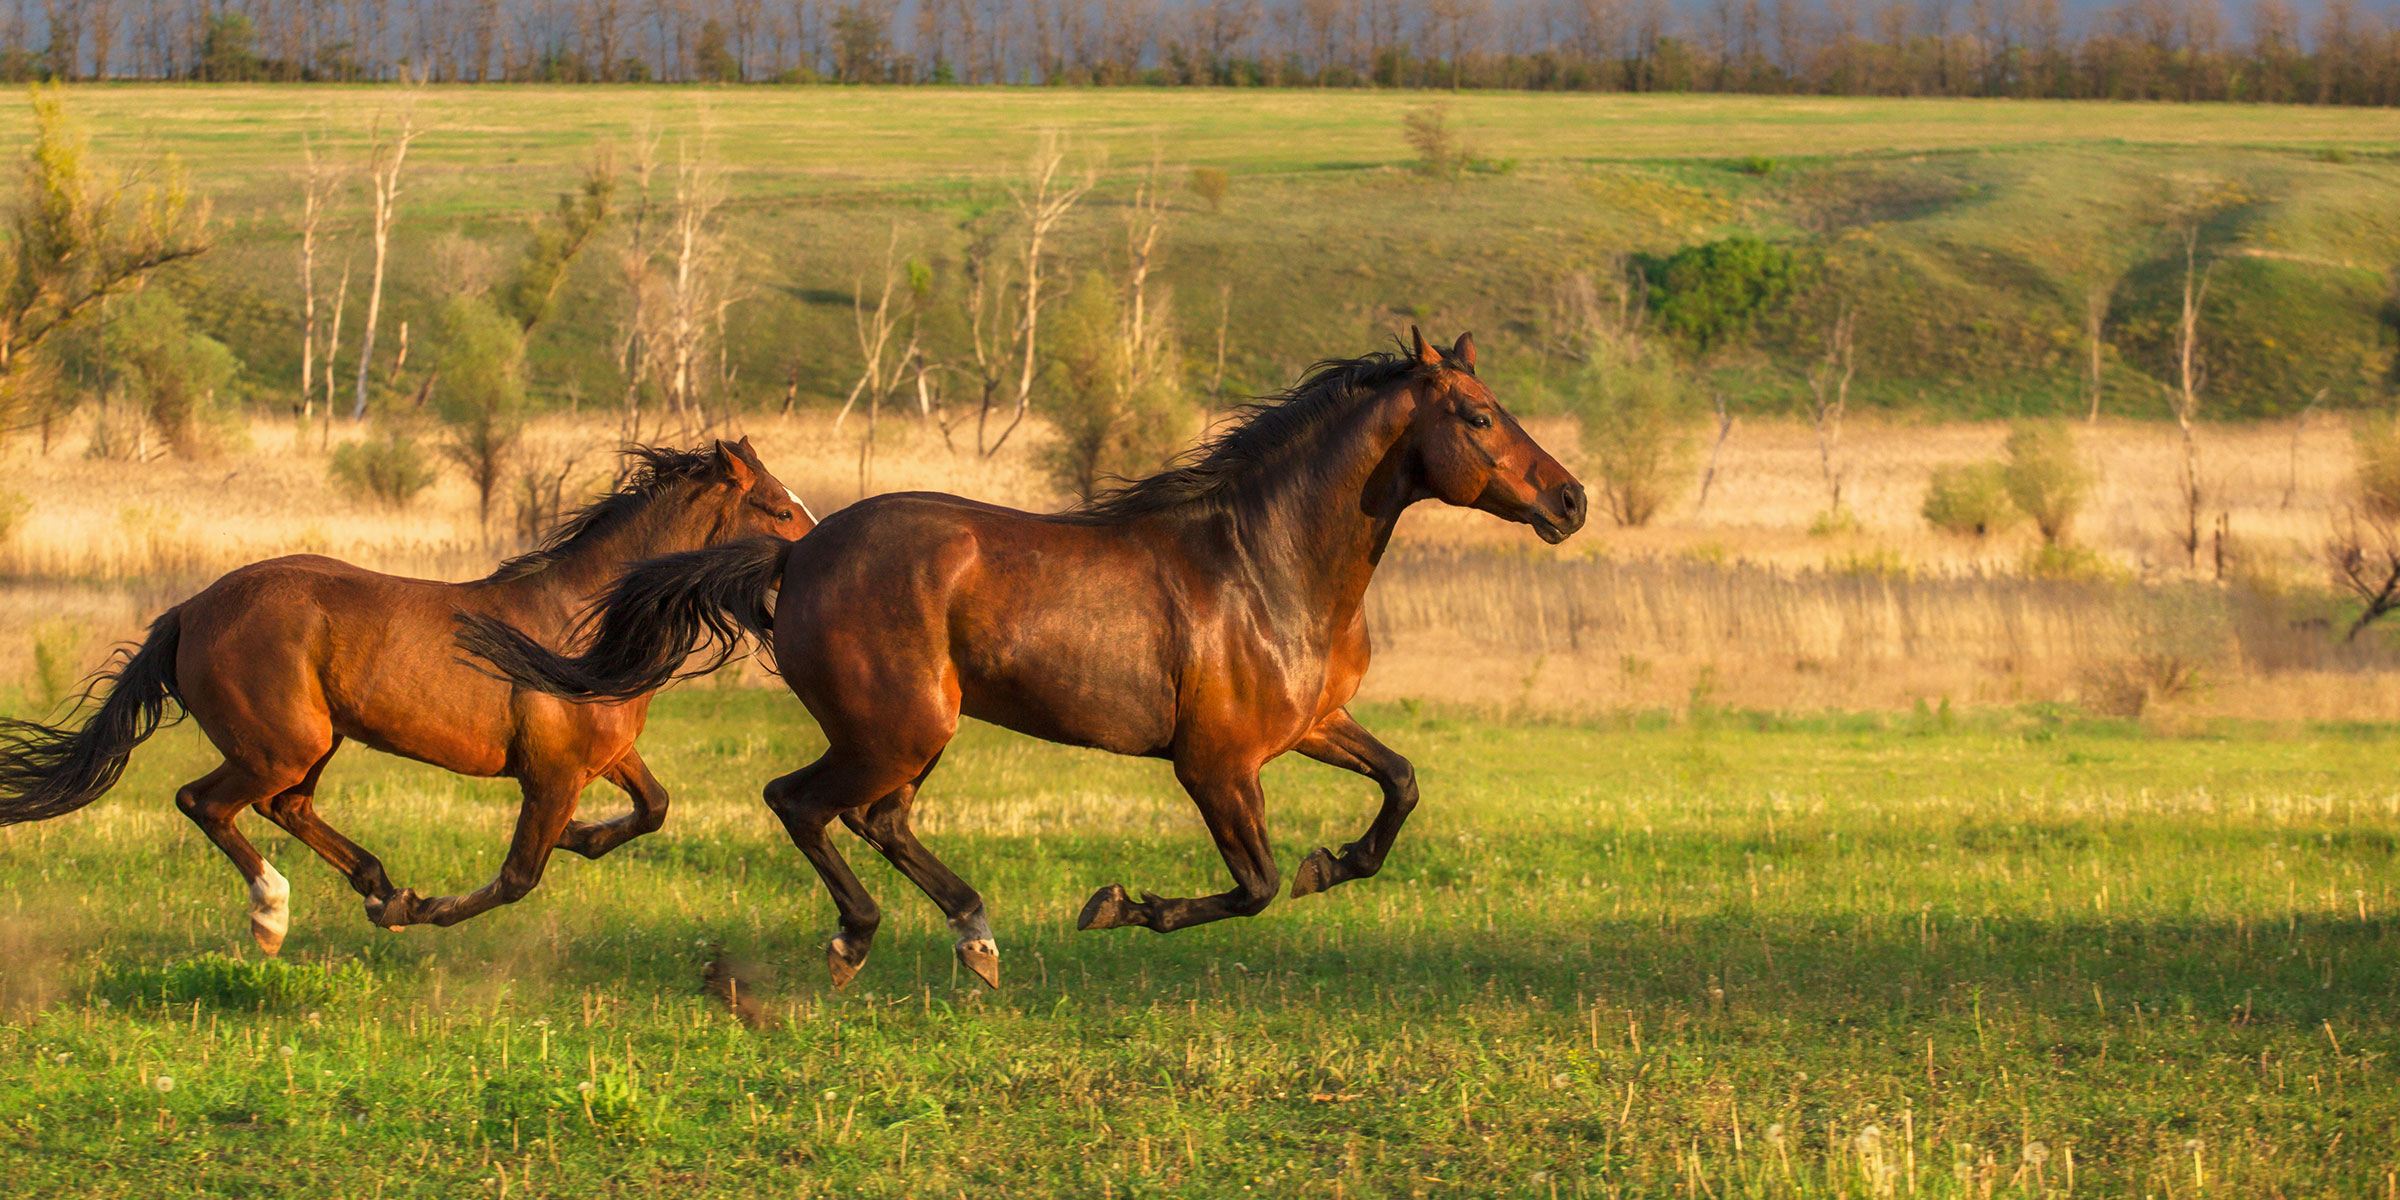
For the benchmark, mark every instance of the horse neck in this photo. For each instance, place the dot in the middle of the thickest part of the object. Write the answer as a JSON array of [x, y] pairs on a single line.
[[670, 522], [1321, 529]]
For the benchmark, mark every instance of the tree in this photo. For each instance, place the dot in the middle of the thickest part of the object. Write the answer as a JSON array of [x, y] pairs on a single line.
[[77, 236], [1043, 199], [479, 393], [1120, 406], [177, 378], [385, 157], [2044, 478], [319, 184], [531, 288]]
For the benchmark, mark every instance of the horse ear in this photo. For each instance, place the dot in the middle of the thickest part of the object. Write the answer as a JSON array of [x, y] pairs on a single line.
[[748, 452], [731, 466], [1425, 354], [1464, 351]]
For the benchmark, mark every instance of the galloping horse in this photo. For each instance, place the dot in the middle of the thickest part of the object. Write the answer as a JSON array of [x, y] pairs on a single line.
[[280, 660], [1209, 615]]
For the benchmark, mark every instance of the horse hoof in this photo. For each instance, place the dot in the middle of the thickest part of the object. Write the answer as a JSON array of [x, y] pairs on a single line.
[[268, 936], [843, 961], [1317, 873], [983, 958], [394, 912], [1109, 908]]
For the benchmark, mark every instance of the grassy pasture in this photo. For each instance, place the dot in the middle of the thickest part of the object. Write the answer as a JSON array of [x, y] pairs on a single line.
[[1727, 956]]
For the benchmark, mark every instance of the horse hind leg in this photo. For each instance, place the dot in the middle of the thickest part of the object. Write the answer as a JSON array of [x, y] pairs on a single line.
[[295, 811], [806, 801], [885, 825], [592, 839], [549, 804], [212, 802]]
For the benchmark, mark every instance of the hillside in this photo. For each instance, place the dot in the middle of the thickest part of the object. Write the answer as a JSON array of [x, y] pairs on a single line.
[[1967, 236]]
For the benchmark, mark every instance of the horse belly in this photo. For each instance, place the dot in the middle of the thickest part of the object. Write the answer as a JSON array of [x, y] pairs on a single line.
[[1089, 685]]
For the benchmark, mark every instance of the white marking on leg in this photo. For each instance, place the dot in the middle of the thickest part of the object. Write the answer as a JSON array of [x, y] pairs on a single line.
[[270, 907]]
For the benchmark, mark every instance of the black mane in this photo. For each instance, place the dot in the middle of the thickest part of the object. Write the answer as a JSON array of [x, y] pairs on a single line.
[[1263, 436], [648, 470]]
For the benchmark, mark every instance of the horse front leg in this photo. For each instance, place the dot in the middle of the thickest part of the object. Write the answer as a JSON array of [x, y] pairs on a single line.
[[1235, 809], [592, 839], [1340, 742]]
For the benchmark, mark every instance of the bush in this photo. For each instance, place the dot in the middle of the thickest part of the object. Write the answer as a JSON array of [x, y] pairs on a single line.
[[2045, 478], [1708, 293], [1441, 152], [1757, 164], [1211, 184], [1969, 498], [388, 468], [1637, 409]]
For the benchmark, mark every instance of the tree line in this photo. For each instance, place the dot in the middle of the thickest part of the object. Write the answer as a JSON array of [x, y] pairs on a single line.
[[2135, 50]]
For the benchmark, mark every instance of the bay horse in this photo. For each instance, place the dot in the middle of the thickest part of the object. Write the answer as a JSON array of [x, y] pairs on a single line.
[[1210, 615], [281, 660]]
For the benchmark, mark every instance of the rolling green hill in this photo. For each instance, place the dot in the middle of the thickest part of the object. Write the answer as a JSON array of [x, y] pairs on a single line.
[[1967, 236]]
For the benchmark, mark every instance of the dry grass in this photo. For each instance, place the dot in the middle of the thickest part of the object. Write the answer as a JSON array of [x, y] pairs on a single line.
[[1738, 603]]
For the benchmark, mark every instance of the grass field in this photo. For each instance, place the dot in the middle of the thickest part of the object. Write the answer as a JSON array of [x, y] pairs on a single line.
[[2008, 954]]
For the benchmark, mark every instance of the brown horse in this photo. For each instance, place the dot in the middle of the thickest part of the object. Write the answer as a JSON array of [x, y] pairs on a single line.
[[280, 660], [1210, 615]]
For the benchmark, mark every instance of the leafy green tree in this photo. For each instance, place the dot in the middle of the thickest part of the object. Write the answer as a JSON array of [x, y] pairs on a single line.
[[182, 379], [228, 51], [2046, 479], [530, 292], [1116, 395], [1638, 408], [479, 393], [76, 235]]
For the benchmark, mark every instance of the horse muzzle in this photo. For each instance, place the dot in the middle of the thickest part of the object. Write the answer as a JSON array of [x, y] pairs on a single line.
[[1561, 513]]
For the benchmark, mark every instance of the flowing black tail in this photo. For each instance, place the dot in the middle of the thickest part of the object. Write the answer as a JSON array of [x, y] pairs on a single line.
[[50, 770], [658, 614]]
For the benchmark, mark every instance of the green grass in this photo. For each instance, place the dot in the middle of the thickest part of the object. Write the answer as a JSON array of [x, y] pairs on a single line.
[[1965, 233], [1639, 957]]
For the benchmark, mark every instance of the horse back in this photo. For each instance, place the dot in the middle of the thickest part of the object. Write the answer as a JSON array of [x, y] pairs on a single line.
[[306, 640]]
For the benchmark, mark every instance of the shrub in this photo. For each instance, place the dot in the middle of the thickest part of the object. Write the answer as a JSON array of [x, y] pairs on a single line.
[[1211, 184], [1441, 152], [1708, 293], [1757, 164], [2044, 477], [1968, 498], [1637, 409], [388, 468]]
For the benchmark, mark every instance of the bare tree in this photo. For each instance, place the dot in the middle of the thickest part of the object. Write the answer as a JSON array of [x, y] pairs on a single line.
[[696, 290], [2364, 553], [877, 375], [1043, 199], [2191, 375], [1724, 430], [634, 264], [1829, 398], [318, 186], [2095, 322], [386, 155]]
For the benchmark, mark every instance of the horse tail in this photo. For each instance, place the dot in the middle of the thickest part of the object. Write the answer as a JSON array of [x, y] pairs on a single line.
[[641, 633], [50, 770]]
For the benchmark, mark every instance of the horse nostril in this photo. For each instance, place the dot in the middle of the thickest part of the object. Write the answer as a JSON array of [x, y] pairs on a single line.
[[1570, 502]]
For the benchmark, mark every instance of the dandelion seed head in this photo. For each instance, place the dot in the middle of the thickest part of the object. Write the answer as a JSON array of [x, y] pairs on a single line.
[[585, 1087], [2036, 1154], [64, 1058], [1775, 1135], [164, 1083], [286, 1051]]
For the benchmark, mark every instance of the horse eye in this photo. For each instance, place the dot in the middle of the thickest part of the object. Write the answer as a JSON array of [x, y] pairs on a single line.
[[783, 514], [1480, 420]]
